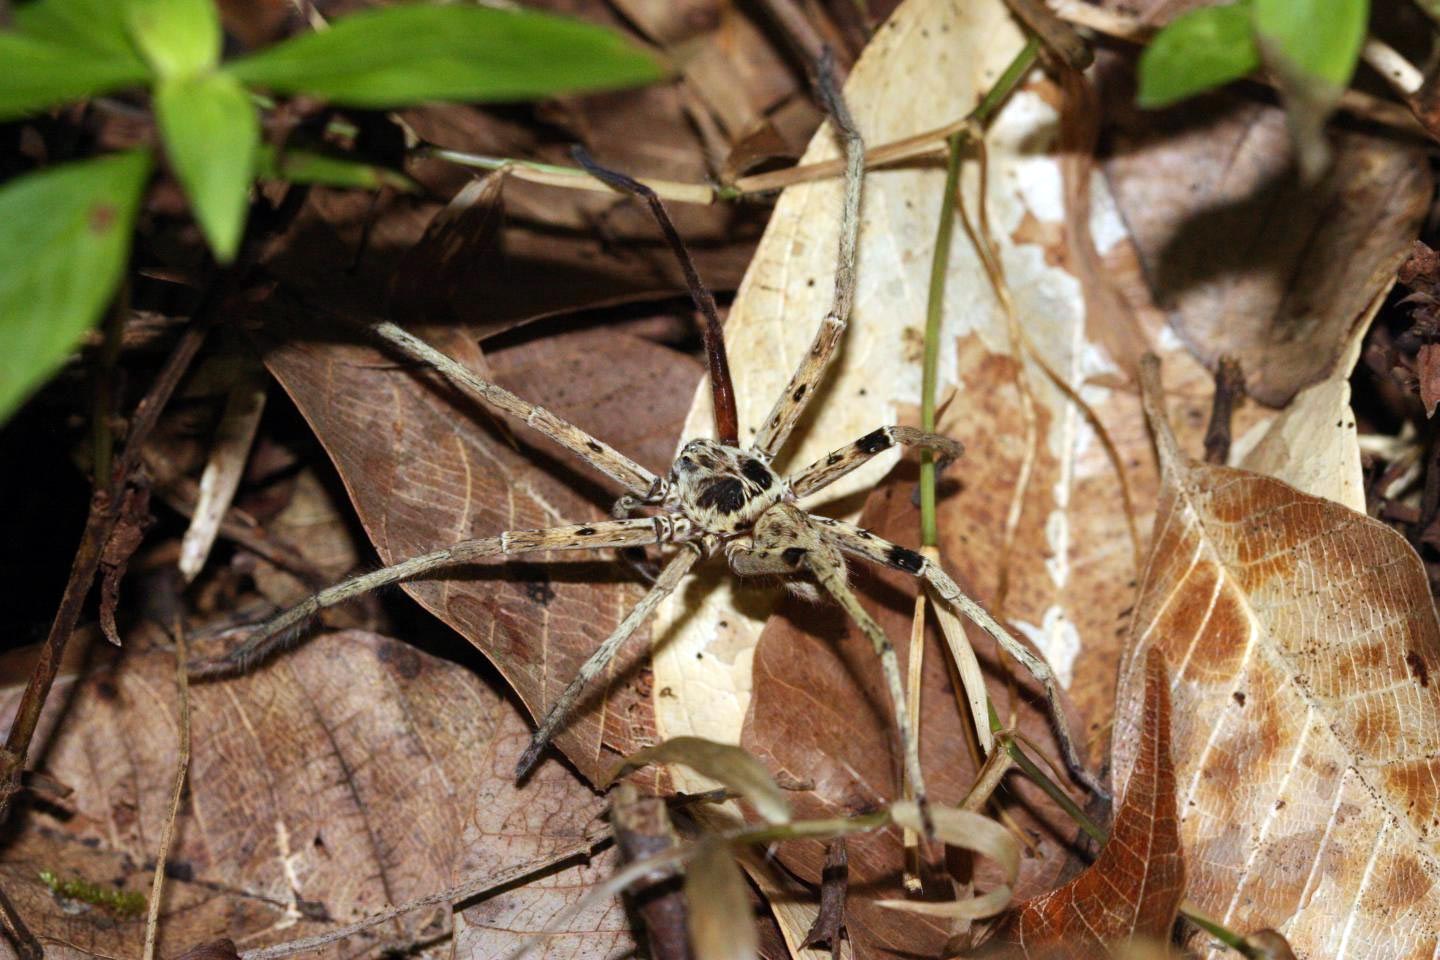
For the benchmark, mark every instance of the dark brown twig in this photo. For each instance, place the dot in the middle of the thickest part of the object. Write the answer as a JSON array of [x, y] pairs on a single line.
[[829, 925], [642, 829], [727, 420], [105, 511], [1229, 390], [19, 935]]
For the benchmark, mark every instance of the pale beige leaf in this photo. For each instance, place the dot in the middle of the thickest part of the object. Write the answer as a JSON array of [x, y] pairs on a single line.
[[1305, 650]]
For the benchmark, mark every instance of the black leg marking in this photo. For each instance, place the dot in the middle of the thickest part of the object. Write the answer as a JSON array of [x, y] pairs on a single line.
[[793, 555], [874, 442], [907, 560]]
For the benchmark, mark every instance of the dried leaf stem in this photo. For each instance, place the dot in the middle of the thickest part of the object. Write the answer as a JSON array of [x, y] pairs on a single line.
[[182, 765], [105, 510], [467, 889]]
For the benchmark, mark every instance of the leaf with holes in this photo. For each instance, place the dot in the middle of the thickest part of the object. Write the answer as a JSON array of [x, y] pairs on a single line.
[[356, 774], [1307, 713]]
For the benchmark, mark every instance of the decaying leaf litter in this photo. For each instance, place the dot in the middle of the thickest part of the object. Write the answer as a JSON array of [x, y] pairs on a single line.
[[1080, 236]]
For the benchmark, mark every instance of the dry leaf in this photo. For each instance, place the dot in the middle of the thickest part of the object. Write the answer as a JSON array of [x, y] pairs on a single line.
[[1246, 259], [1307, 720], [356, 773], [821, 714], [721, 925], [1133, 889], [425, 469], [723, 763]]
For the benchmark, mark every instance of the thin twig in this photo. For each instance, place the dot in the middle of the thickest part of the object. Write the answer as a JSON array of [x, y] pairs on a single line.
[[468, 889], [19, 935], [104, 515], [182, 765]]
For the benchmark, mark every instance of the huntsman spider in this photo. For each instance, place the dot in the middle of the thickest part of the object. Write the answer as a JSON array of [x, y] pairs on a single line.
[[716, 497]]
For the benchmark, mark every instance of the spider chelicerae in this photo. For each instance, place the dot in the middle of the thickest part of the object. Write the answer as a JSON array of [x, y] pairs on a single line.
[[718, 497]]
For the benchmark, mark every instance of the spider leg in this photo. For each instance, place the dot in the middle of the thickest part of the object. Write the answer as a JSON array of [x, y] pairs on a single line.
[[665, 584], [801, 389], [785, 542], [600, 455], [863, 543], [275, 632], [835, 465]]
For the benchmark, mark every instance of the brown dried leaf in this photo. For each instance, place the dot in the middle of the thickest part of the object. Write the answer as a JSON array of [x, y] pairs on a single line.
[[1133, 889], [718, 899], [1246, 259], [356, 773], [425, 468], [820, 713], [1428, 367], [1307, 727]]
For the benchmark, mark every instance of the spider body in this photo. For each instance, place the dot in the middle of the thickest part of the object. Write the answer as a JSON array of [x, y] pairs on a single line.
[[721, 489], [717, 496]]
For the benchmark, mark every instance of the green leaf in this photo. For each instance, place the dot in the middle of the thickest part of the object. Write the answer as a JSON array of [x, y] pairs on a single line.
[[67, 234], [1320, 38], [1311, 46], [178, 37], [309, 166], [39, 74], [211, 130], [1196, 52], [94, 25], [410, 53]]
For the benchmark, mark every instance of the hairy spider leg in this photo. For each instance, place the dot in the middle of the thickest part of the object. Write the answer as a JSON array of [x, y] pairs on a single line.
[[559, 712], [598, 454], [786, 541], [837, 463], [274, 633], [802, 386], [863, 543]]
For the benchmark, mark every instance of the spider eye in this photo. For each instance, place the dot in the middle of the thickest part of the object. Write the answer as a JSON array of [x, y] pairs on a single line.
[[686, 463]]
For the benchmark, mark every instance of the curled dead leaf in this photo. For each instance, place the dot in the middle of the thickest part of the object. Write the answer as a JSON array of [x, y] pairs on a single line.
[[1132, 891], [735, 768]]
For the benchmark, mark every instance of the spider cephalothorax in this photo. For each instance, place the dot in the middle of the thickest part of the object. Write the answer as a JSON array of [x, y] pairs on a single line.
[[716, 496], [722, 489]]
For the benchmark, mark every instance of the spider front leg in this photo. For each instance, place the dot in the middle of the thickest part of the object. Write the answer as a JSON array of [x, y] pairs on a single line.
[[803, 383], [863, 543], [836, 464], [665, 584], [784, 544], [274, 633]]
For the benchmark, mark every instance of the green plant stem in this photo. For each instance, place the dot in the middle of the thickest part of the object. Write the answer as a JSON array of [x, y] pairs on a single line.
[[939, 270]]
